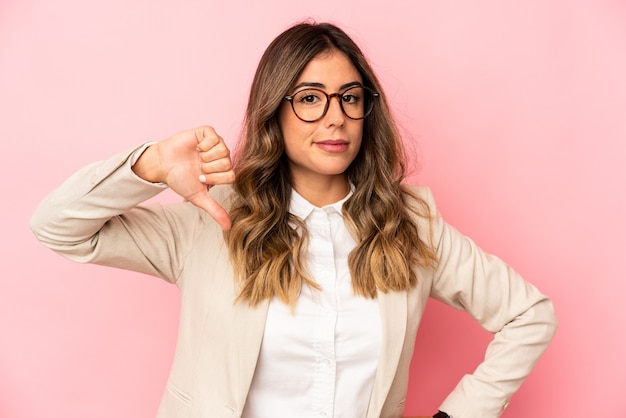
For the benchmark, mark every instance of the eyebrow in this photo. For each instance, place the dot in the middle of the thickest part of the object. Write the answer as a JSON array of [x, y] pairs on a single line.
[[322, 86]]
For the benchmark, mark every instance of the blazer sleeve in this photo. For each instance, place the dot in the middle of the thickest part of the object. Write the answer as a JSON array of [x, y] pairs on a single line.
[[501, 301], [95, 217]]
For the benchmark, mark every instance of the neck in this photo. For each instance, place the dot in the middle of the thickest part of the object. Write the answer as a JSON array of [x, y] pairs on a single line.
[[323, 191]]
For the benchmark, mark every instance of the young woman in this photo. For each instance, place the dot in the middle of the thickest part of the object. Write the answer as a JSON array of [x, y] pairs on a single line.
[[304, 272]]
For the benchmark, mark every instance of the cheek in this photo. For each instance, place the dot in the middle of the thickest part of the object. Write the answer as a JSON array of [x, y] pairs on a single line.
[[288, 126], [358, 134], [296, 133]]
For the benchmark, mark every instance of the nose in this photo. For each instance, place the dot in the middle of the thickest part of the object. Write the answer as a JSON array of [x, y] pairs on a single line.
[[334, 115]]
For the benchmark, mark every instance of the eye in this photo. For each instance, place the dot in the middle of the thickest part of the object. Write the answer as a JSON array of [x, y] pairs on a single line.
[[350, 98], [308, 97]]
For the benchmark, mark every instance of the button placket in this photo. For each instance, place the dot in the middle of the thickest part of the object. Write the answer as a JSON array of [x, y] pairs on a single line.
[[323, 269]]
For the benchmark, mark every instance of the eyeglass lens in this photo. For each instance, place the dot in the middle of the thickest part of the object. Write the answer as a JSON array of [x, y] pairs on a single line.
[[312, 104]]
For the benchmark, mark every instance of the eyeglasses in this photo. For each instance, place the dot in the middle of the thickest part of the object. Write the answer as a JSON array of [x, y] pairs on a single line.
[[311, 104]]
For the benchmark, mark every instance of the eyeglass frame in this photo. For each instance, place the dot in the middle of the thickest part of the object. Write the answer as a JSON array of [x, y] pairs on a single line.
[[338, 95]]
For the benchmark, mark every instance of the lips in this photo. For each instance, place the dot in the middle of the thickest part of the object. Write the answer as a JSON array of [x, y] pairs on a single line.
[[333, 145]]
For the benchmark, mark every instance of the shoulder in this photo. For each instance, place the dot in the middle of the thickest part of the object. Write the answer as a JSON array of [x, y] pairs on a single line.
[[420, 202], [420, 199]]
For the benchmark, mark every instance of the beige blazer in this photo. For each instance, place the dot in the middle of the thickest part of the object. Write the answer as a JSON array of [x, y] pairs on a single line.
[[94, 217]]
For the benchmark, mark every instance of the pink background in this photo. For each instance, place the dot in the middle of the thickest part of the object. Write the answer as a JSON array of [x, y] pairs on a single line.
[[516, 110]]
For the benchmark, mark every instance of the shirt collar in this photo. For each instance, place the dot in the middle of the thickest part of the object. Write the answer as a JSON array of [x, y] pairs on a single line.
[[302, 208]]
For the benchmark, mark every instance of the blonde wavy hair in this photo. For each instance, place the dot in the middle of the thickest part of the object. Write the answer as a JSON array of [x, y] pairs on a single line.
[[267, 244]]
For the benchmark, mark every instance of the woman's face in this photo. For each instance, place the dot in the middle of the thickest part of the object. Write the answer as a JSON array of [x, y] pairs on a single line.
[[320, 152]]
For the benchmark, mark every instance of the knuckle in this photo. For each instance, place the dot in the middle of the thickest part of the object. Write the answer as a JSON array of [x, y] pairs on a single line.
[[204, 157], [221, 148], [224, 164]]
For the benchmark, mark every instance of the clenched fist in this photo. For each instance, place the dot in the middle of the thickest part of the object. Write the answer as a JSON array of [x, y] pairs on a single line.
[[189, 162]]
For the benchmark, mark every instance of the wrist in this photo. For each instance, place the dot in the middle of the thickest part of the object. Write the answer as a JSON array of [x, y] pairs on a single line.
[[147, 165]]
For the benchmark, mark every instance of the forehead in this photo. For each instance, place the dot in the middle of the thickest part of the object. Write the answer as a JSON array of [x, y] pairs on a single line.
[[331, 69]]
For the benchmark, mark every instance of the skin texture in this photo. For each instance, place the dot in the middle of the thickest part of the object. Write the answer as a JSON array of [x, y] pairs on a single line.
[[320, 152]]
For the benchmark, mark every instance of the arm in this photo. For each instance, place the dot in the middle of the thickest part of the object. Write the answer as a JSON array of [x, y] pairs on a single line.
[[520, 317], [94, 217]]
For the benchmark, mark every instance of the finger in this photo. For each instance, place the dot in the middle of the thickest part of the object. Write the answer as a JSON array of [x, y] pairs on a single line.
[[217, 151], [207, 138], [222, 165], [208, 204], [227, 177]]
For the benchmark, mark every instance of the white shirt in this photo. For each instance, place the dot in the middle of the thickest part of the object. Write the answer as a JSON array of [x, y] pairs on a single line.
[[321, 360]]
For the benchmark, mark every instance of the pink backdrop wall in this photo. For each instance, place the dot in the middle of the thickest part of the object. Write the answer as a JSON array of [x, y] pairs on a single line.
[[517, 111]]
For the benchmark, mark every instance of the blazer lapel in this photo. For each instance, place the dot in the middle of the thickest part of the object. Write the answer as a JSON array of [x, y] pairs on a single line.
[[250, 324], [393, 313]]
